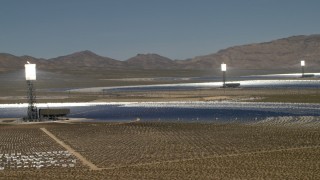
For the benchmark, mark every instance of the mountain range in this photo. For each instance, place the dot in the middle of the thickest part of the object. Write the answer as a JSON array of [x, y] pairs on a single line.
[[283, 53]]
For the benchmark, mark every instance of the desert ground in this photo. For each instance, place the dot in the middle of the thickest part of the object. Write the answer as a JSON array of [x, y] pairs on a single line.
[[155, 150], [209, 94], [54, 87]]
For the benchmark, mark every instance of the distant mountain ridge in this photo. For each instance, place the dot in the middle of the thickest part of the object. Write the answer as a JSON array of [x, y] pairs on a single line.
[[151, 61], [84, 59], [283, 53]]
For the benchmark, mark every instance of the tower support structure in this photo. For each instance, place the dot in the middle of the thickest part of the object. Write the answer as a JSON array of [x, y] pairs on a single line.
[[223, 79], [32, 109], [223, 69]]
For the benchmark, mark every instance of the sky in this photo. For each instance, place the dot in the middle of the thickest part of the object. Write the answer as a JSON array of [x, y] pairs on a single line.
[[177, 29]]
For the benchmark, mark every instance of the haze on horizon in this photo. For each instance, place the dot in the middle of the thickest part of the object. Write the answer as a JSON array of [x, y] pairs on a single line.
[[123, 28]]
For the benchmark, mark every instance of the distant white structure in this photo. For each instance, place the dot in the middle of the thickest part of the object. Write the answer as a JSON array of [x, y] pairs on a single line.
[[223, 67], [30, 72]]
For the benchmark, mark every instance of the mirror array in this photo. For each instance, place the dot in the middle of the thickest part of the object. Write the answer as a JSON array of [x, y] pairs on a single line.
[[37, 160]]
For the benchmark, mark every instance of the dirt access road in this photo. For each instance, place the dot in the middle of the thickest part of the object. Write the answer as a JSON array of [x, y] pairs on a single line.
[[72, 151]]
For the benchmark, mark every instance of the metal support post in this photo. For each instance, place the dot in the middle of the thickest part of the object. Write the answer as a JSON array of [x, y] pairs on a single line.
[[32, 109], [224, 78]]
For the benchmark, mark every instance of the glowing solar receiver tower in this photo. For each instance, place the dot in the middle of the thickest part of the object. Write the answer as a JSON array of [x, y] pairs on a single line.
[[302, 67], [224, 69], [31, 77]]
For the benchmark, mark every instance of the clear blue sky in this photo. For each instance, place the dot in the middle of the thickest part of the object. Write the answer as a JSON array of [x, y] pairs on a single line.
[[177, 29]]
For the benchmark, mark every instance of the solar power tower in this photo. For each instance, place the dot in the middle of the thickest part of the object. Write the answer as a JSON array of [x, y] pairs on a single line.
[[223, 69], [31, 77], [302, 67]]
